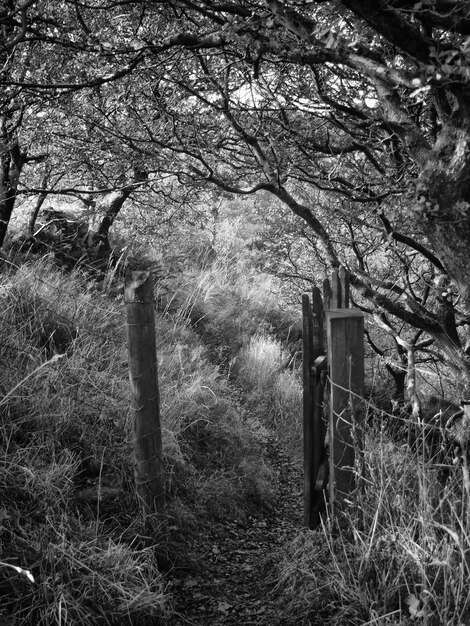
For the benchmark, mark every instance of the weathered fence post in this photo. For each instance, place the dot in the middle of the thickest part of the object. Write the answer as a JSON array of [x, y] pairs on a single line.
[[318, 325], [327, 294], [336, 291], [344, 286], [144, 386], [307, 362], [345, 332], [319, 367], [345, 361], [314, 366]]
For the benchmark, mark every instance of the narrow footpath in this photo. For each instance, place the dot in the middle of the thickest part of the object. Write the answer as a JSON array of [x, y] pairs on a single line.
[[232, 582]]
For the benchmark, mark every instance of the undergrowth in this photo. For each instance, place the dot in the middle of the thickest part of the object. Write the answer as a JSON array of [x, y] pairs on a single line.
[[273, 393], [237, 311], [399, 554], [74, 547]]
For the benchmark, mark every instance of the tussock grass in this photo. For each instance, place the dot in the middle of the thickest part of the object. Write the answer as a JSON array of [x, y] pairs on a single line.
[[64, 421], [212, 452], [90, 581], [233, 309], [236, 311], [229, 302], [399, 554], [69, 513], [274, 394]]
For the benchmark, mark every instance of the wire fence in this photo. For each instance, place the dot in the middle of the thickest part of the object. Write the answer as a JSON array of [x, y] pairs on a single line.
[[86, 329]]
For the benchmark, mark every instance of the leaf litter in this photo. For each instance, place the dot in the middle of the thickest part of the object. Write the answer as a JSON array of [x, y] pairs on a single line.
[[232, 580]]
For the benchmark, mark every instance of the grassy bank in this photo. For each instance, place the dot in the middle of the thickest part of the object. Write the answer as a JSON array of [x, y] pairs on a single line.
[[74, 546], [69, 513]]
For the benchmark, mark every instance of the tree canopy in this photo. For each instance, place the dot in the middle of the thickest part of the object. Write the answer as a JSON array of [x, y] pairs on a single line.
[[354, 114]]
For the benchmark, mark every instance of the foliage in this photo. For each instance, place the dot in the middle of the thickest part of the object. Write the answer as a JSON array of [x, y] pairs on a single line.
[[326, 106], [354, 116], [235, 309]]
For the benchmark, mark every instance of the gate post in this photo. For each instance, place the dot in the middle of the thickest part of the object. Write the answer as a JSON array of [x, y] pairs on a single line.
[[148, 463], [308, 395], [314, 366], [345, 333]]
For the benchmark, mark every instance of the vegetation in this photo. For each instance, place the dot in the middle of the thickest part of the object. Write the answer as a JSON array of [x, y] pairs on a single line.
[[352, 116], [240, 151], [70, 515], [399, 554]]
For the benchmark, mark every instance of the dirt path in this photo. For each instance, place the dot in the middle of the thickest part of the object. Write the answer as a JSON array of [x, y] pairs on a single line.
[[233, 579]]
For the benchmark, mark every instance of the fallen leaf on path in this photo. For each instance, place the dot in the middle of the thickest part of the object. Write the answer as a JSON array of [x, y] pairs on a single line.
[[224, 607]]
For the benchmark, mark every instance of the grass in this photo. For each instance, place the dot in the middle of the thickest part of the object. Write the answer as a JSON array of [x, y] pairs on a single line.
[[88, 580], [400, 554], [229, 302], [236, 311], [273, 394], [69, 514], [65, 426], [205, 435]]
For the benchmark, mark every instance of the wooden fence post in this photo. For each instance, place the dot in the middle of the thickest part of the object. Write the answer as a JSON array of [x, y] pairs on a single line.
[[336, 291], [147, 442], [318, 326], [345, 359], [314, 366], [345, 332], [307, 361], [327, 294], [344, 286]]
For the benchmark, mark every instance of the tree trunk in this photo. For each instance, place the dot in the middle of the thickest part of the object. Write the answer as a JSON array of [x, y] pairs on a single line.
[[11, 164], [445, 205], [411, 389], [7, 204], [399, 384], [109, 208], [39, 202]]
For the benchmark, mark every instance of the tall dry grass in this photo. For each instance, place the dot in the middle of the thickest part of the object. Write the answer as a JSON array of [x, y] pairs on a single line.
[[229, 301], [273, 394], [206, 438], [398, 555], [66, 470], [69, 514], [238, 314]]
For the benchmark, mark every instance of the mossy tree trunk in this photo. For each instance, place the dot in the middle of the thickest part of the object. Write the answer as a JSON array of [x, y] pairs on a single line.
[[12, 161]]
